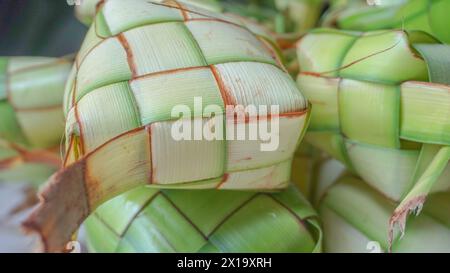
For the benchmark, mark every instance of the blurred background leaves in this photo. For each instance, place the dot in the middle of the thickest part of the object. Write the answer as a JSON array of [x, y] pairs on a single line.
[[31, 28], [38, 28]]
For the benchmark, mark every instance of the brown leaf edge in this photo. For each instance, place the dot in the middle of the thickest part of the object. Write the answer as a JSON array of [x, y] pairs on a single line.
[[62, 209], [400, 215]]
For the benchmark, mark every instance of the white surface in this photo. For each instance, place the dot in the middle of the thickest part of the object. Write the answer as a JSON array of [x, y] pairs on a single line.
[[12, 239]]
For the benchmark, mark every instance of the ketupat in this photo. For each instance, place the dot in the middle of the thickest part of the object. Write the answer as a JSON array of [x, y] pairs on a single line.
[[337, 7], [355, 218], [313, 171], [282, 16], [31, 117], [284, 21], [197, 54], [350, 4], [303, 14], [375, 110], [304, 172], [85, 12], [427, 15], [150, 220], [288, 20]]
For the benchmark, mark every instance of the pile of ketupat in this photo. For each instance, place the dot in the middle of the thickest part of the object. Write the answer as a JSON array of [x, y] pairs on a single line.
[[377, 101], [381, 106], [31, 130], [126, 143], [32, 120]]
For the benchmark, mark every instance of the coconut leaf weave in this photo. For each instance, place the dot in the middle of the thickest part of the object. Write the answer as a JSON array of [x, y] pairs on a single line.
[[426, 15], [31, 116], [138, 61], [347, 227], [150, 220], [381, 105]]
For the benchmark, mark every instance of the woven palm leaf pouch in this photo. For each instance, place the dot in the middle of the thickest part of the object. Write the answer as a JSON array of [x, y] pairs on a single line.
[[141, 60], [381, 105], [31, 117]]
